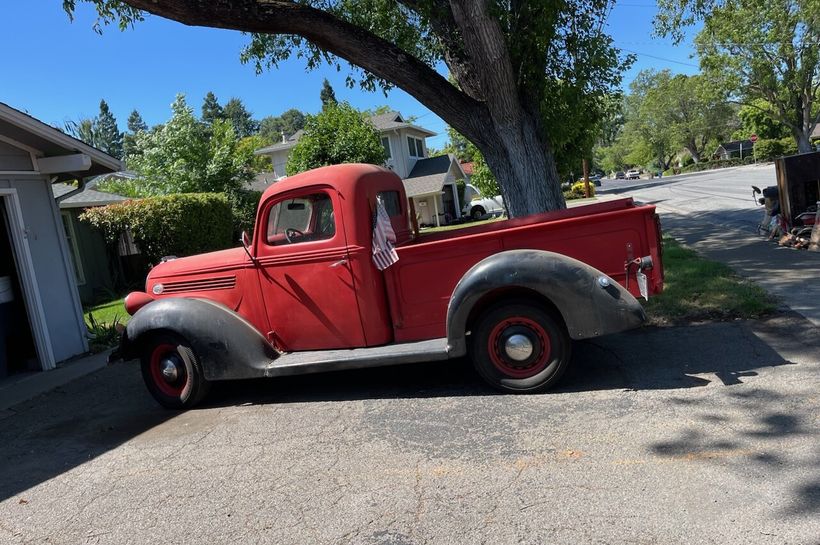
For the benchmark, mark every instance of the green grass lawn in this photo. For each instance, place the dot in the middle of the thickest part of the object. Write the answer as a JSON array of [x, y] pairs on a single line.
[[697, 289], [427, 230], [108, 312]]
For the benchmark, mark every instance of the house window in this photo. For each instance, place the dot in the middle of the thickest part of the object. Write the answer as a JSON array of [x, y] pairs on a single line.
[[71, 239], [303, 219], [391, 202], [386, 144], [415, 146]]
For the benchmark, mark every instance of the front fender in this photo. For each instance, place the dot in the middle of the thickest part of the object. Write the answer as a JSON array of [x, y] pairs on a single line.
[[587, 308], [227, 345]]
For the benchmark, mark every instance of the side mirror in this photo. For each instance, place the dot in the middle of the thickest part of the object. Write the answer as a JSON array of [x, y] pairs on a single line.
[[245, 239]]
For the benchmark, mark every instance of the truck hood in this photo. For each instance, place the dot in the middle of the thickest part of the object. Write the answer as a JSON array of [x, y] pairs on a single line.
[[201, 263]]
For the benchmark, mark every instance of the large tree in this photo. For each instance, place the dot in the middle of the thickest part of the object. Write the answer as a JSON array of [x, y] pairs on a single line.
[[338, 134], [522, 70], [240, 118], [109, 137], [274, 128], [758, 49], [184, 155], [211, 109]]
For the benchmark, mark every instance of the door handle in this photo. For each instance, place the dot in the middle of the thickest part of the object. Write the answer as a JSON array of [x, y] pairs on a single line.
[[338, 263]]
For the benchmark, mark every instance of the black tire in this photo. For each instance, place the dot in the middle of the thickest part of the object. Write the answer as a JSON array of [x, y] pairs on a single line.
[[477, 212], [551, 347], [190, 386]]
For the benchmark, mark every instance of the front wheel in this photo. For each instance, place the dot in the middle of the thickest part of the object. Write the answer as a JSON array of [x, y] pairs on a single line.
[[520, 348], [172, 372], [477, 213]]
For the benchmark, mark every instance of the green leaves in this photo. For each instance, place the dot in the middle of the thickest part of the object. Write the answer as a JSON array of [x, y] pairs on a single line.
[[757, 50], [185, 156], [178, 225], [339, 134]]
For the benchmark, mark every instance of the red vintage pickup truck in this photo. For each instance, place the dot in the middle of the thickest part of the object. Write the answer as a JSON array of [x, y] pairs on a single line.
[[304, 294]]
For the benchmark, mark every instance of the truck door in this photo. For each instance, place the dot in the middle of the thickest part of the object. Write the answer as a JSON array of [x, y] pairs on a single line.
[[305, 274]]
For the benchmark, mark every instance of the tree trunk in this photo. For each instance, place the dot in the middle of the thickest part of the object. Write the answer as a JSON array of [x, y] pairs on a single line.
[[803, 141], [525, 170], [693, 151]]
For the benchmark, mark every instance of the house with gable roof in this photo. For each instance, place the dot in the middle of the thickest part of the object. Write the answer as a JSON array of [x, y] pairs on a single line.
[[430, 182]]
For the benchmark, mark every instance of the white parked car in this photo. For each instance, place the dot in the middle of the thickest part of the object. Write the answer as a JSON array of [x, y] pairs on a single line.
[[633, 174], [477, 205]]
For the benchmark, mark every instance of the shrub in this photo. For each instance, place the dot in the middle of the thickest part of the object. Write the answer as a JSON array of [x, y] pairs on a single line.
[[576, 191], [767, 150], [182, 224], [789, 146], [243, 207]]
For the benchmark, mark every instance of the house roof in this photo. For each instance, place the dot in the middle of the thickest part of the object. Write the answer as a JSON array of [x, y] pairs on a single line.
[[731, 147], [50, 142], [261, 181], [428, 176], [86, 198], [383, 122]]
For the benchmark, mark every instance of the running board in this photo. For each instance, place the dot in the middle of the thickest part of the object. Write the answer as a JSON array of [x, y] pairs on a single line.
[[298, 363]]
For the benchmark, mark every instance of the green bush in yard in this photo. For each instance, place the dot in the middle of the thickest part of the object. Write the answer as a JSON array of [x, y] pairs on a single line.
[[180, 225], [766, 149], [789, 146], [244, 203]]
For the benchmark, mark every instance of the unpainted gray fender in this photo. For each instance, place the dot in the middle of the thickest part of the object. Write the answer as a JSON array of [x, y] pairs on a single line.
[[227, 345], [587, 308]]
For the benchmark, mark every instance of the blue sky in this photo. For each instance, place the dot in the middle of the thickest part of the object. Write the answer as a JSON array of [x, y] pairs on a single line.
[[56, 70]]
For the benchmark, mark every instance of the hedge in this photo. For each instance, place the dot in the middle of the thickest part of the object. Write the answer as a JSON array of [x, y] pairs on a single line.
[[180, 225], [576, 191]]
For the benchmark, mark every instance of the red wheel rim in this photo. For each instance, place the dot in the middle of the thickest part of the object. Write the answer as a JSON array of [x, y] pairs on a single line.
[[175, 387], [536, 334]]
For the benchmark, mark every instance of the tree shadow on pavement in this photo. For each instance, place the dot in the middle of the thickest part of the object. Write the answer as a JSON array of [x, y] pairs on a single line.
[[756, 433], [58, 431]]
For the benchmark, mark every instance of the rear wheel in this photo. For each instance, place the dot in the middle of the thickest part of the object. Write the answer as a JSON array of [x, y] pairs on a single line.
[[172, 372], [520, 347], [477, 212]]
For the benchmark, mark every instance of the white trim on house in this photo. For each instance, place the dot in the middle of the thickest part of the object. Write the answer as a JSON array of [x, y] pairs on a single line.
[[34, 126], [25, 268], [71, 235], [68, 269]]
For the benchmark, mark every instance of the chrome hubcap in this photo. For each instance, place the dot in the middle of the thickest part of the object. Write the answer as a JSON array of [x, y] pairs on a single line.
[[169, 369], [518, 347]]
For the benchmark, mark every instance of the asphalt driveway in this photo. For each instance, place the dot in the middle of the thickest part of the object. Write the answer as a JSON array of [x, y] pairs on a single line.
[[688, 435]]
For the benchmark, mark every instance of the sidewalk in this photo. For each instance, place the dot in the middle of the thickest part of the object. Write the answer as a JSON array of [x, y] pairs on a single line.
[[19, 388], [788, 274]]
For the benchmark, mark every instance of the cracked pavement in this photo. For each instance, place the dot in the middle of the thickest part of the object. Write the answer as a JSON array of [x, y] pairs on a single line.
[[681, 435]]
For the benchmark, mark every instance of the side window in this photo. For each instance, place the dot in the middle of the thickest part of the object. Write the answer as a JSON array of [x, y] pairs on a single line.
[[301, 219], [386, 144], [391, 202]]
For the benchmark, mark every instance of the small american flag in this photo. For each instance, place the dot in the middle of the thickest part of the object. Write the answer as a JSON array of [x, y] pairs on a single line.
[[384, 254]]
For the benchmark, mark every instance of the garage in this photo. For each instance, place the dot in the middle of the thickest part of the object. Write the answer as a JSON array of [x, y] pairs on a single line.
[[41, 320]]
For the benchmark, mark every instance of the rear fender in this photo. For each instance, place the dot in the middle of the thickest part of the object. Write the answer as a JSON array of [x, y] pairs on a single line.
[[227, 345], [590, 303]]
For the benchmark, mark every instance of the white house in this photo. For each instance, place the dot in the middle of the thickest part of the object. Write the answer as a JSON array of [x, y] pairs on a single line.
[[41, 320], [429, 181]]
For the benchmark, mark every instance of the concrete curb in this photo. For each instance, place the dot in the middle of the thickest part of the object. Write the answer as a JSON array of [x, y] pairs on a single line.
[[16, 390]]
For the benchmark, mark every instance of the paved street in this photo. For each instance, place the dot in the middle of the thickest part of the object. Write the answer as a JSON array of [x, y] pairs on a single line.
[[698, 435], [714, 212]]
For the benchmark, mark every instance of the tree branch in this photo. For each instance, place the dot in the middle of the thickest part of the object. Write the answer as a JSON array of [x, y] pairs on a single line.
[[351, 42]]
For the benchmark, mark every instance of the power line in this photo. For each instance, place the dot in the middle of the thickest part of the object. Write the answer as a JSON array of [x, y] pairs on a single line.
[[660, 58]]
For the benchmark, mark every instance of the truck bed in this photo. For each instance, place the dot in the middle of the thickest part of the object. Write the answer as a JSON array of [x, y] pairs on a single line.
[[604, 235]]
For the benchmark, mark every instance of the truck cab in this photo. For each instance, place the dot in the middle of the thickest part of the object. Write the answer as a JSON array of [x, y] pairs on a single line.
[[303, 294]]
